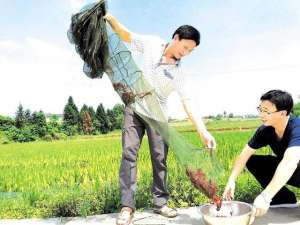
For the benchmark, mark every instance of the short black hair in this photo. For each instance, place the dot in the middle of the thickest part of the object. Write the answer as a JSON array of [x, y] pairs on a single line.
[[188, 32], [281, 99]]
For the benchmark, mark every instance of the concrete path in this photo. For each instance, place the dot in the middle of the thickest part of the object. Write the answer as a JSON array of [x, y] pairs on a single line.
[[188, 216]]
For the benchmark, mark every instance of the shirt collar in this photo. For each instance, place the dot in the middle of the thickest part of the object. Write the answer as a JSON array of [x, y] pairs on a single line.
[[163, 48]]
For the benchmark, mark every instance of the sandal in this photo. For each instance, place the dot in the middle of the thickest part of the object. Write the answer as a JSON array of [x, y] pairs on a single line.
[[125, 216], [166, 211]]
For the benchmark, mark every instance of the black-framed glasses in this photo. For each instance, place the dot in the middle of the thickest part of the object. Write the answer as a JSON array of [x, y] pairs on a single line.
[[260, 110]]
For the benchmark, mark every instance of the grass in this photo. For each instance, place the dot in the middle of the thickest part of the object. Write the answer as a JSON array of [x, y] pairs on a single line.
[[79, 177], [224, 124]]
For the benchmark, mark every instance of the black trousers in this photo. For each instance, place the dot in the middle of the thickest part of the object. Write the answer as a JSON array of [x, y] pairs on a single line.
[[263, 167]]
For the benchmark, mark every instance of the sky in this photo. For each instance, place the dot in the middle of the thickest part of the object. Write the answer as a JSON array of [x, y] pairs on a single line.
[[246, 49]]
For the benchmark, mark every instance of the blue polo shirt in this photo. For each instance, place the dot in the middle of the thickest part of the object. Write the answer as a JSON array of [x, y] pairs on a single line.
[[265, 135]]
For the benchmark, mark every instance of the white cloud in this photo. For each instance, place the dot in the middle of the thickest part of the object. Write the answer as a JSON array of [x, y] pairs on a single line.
[[45, 77]]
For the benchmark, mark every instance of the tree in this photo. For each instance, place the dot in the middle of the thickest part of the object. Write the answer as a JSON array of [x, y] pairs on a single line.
[[118, 111], [83, 109], [39, 124], [6, 122], [20, 117], [111, 119], [71, 114], [296, 109], [102, 123], [87, 125], [93, 118], [92, 112], [219, 116], [27, 116], [71, 118], [53, 125], [86, 120]]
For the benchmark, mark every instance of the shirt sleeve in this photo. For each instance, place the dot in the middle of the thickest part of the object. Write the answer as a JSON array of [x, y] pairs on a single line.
[[181, 86], [295, 137], [183, 93], [259, 139], [140, 42]]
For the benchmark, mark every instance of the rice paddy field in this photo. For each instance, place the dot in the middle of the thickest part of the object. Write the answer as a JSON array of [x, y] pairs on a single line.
[[79, 177]]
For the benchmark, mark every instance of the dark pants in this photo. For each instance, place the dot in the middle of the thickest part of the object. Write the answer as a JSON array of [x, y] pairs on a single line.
[[263, 168], [133, 131]]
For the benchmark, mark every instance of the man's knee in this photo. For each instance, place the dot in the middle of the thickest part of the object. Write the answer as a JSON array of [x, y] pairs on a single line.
[[130, 152], [250, 165]]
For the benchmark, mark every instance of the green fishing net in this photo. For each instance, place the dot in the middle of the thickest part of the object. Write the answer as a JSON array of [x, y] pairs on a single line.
[[103, 51]]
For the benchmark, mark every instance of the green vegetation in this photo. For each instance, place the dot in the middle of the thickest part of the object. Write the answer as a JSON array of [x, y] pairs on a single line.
[[296, 109], [79, 176], [27, 126], [219, 125]]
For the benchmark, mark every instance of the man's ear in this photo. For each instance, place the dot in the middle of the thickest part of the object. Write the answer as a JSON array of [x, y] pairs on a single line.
[[176, 37], [284, 113]]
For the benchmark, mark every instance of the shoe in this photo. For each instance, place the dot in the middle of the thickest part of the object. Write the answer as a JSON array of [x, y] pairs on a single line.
[[284, 205], [286, 200], [125, 216], [166, 211]]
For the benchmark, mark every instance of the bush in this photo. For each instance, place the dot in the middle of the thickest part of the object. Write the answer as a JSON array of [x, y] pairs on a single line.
[[60, 136], [70, 130], [296, 109], [55, 136], [4, 140], [23, 134], [6, 123], [47, 137]]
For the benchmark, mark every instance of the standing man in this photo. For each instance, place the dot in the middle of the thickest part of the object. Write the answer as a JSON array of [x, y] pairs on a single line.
[[281, 132], [161, 68]]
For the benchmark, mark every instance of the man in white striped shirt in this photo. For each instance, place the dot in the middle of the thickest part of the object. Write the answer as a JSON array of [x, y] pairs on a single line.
[[161, 67]]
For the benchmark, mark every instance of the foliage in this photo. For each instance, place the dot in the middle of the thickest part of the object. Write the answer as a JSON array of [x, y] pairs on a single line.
[[20, 117], [24, 134], [87, 124], [39, 125], [6, 122], [296, 109], [102, 121], [29, 126], [71, 117], [80, 178]]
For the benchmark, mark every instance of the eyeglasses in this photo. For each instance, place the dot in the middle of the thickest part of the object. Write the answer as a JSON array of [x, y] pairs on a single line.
[[260, 110]]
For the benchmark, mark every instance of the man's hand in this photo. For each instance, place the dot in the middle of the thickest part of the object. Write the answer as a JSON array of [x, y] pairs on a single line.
[[228, 193], [108, 16], [262, 204], [121, 30], [209, 140]]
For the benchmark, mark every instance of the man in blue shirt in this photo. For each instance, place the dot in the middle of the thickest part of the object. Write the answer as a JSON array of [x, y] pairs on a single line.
[[281, 132]]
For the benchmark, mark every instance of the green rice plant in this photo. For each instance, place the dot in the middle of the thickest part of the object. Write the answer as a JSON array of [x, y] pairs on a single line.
[[79, 177]]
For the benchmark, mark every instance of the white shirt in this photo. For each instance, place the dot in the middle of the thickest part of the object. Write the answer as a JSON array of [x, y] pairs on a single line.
[[164, 78]]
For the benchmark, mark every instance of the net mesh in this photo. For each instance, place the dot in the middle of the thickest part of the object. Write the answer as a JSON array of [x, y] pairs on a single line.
[[103, 51]]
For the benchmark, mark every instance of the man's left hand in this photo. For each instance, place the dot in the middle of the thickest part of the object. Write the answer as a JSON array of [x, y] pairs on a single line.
[[209, 140], [262, 204]]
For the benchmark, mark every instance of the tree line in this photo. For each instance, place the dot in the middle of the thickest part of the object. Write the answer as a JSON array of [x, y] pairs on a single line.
[[30, 126]]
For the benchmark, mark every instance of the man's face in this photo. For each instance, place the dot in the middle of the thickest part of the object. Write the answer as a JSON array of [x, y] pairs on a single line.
[[269, 114], [182, 47]]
